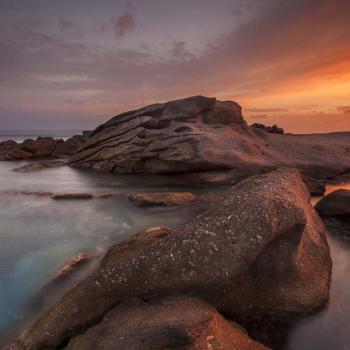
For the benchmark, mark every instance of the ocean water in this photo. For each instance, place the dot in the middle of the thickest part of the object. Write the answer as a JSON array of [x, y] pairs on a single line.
[[37, 234], [21, 135]]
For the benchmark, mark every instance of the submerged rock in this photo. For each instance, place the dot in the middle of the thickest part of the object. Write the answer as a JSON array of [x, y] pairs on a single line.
[[259, 252], [38, 166], [202, 134], [72, 196], [180, 322], [162, 198]]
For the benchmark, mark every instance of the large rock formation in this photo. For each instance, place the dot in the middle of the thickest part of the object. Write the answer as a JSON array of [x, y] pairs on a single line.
[[203, 134], [258, 252], [179, 323]]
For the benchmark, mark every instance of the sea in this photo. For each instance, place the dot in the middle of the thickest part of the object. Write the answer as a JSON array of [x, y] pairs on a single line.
[[37, 234]]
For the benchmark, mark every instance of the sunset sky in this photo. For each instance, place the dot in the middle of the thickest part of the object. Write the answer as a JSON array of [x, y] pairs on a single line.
[[72, 64]]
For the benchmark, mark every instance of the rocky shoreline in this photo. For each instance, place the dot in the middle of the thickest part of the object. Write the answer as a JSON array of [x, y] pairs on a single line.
[[256, 255], [240, 273]]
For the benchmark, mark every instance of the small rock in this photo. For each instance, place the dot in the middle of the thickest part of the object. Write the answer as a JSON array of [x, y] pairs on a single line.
[[72, 196], [162, 198]]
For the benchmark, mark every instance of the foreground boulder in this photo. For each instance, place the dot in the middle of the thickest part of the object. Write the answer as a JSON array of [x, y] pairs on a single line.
[[202, 134], [181, 323], [335, 211], [258, 252], [162, 198]]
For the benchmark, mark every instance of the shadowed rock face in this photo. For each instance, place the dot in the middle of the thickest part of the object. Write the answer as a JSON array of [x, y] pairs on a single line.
[[203, 134], [181, 323], [259, 251], [335, 211]]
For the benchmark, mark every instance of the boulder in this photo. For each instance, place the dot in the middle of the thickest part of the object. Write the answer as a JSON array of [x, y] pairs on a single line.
[[336, 203], [335, 211], [10, 150], [162, 198], [69, 147], [179, 322], [258, 252], [43, 146]]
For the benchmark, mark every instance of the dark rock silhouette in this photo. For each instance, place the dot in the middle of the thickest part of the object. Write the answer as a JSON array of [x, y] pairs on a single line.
[[335, 211], [259, 252], [274, 129]]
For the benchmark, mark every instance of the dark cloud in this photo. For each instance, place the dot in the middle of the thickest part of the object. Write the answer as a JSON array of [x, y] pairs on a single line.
[[123, 24]]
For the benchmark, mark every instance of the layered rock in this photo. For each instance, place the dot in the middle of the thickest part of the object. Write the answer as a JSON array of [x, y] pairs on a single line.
[[258, 252], [181, 323], [335, 211], [201, 134]]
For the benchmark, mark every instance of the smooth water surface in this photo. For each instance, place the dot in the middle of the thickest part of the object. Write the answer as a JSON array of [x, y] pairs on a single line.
[[38, 233]]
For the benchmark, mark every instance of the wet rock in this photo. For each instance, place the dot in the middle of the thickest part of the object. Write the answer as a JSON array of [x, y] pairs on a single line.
[[178, 322], [72, 196], [65, 274], [162, 198], [335, 211], [260, 252], [336, 203], [38, 166]]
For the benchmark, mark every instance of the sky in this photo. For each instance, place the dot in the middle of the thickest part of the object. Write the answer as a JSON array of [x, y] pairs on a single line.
[[73, 64]]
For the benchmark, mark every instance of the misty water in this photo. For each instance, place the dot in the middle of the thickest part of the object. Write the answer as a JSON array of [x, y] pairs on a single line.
[[37, 234]]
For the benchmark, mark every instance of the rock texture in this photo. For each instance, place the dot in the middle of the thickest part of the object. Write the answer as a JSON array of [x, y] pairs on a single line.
[[335, 211], [203, 134], [181, 323], [42, 147], [162, 198], [258, 252]]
